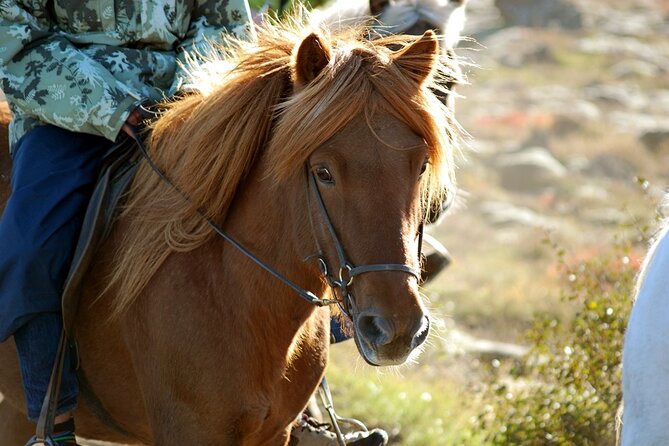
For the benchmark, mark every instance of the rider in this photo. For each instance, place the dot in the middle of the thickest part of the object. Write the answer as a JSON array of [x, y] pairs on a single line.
[[74, 73]]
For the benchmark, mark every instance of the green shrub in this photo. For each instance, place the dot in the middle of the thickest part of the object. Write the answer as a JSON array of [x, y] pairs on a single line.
[[567, 389]]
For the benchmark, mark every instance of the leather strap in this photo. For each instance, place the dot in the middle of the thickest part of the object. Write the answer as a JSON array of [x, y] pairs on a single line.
[[47, 415], [304, 294]]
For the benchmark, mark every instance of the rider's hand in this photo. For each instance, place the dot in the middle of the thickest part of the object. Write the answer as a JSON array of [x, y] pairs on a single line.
[[134, 118]]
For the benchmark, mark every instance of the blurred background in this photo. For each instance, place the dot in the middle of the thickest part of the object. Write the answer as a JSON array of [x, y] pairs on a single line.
[[562, 176], [567, 109]]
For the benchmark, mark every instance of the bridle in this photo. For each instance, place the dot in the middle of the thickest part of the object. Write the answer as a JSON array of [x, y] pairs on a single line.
[[347, 270]]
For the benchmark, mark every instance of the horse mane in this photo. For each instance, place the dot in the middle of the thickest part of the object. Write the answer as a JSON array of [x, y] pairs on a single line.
[[245, 108]]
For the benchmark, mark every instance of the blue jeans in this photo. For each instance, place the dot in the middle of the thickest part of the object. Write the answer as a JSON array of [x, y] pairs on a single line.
[[37, 345], [53, 175], [337, 332]]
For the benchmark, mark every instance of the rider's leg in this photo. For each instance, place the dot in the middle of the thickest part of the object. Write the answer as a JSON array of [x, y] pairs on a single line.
[[340, 329], [53, 174], [37, 345], [309, 431]]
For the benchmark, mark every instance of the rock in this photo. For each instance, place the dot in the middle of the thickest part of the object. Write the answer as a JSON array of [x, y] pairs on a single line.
[[606, 216], [626, 96], [505, 214], [459, 342], [515, 47], [540, 13], [629, 69], [656, 140], [592, 192], [570, 114], [529, 170], [635, 122], [566, 124], [635, 21], [659, 103], [582, 109], [611, 166], [578, 163], [534, 54], [626, 47]]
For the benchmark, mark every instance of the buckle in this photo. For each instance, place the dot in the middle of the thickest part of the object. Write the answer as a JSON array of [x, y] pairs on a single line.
[[346, 279]]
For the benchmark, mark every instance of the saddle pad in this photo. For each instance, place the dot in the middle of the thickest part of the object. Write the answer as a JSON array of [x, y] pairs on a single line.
[[118, 170]]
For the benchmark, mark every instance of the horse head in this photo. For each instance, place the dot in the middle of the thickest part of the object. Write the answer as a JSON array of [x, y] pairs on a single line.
[[339, 142], [368, 185]]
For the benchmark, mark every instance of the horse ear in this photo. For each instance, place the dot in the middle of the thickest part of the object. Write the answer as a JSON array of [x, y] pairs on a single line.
[[420, 58], [312, 56], [376, 7]]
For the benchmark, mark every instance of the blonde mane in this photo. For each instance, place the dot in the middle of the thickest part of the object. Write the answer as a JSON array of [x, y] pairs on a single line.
[[245, 109]]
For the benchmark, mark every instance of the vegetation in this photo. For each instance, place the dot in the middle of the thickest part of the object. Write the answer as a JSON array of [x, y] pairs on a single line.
[[567, 389], [414, 409]]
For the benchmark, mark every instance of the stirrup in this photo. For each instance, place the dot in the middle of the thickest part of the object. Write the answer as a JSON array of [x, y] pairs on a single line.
[[326, 398], [48, 441]]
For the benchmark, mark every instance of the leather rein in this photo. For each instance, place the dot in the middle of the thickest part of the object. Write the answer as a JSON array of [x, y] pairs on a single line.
[[347, 270]]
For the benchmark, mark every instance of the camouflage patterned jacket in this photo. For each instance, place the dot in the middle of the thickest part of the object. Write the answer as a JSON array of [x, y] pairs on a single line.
[[83, 65]]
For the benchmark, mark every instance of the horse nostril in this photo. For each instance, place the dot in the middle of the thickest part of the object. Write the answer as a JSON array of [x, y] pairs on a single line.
[[375, 330], [422, 332]]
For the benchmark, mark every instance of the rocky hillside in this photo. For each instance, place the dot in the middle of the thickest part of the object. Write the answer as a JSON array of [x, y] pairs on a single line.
[[568, 111]]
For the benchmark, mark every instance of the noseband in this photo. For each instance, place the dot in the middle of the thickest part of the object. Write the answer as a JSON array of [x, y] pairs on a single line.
[[347, 271]]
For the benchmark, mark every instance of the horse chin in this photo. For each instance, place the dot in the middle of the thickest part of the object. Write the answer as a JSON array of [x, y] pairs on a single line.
[[372, 357]]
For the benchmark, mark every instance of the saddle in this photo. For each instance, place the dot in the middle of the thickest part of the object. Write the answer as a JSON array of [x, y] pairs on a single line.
[[119, 168]]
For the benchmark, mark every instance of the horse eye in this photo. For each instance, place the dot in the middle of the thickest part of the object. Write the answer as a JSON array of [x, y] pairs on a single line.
[[424, 167], [324, 175]]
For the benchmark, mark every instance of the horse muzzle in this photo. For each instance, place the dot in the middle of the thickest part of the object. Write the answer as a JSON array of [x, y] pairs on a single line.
[[386, 341]]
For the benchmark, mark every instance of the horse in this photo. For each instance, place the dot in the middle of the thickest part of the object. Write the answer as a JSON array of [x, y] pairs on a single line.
[[320, 152], [646, 353], [445, 17]]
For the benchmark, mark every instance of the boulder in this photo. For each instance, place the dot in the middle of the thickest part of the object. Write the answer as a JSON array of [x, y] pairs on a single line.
[[630, 97], [540, 13], [656, 140], [611, 166], [605, 216], [532, 54], [506, 214], [459, 342], [634, 122], [631, 68], [625, 48], [567, 124], [530, 170]]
